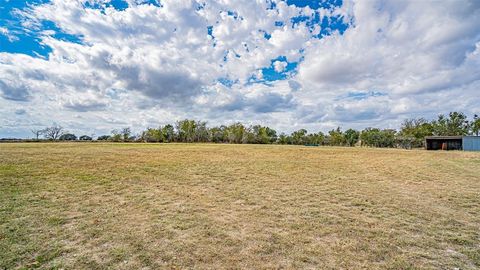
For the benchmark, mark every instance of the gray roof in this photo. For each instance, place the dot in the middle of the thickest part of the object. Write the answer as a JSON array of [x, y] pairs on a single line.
[[444, 137]]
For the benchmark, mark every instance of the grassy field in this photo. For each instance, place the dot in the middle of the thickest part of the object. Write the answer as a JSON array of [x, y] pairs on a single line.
[[130, 206]]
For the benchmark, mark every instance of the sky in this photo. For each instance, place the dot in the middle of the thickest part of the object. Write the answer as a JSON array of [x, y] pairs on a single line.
[[96, 65]]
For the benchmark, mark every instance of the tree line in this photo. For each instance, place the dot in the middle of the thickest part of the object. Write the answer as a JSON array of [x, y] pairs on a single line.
[[411, 133]]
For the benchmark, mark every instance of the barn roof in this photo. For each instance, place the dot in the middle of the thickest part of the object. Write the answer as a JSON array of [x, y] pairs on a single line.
[[444, 137]]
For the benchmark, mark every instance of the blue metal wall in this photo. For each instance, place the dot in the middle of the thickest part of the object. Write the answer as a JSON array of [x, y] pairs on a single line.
[[471, 143]]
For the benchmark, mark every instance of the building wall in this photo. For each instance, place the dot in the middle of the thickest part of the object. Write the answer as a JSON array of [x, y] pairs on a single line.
[[471, 143], [450, 144]]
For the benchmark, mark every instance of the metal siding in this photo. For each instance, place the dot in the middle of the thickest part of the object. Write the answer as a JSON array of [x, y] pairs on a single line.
[[471, 143]]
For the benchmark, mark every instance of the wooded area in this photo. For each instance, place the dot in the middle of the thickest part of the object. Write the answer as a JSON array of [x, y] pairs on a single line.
[[411, 133]]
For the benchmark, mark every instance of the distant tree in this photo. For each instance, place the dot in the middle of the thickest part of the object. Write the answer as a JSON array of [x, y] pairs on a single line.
[[104, 138], [217, 134], [299, 136], [413, 132], [456, 124], [85, 138], [475, 125], [351, 137], [259, 135], [126, 134], [378, 138], [283, 138], [186, 130], [272, 134], [336, 137], [53, 132], [236, 133], [153, 135], [369, 136], [262, 135], [116, 136], [68, 137], [405, 142], [314, 138], [133, 138], [37, 132], [168, 132], [201, 132], [388, 138], [182, 130], [249, 135], [319, 138]]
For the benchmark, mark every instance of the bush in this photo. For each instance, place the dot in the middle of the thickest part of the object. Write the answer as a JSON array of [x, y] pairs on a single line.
[[68, 137]]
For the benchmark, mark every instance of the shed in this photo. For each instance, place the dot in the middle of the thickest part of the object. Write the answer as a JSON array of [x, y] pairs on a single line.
[[466, 143], [443, 143], [471, 143]]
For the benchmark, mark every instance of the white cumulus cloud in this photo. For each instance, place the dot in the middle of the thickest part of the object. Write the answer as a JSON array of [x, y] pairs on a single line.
[[148, 65]]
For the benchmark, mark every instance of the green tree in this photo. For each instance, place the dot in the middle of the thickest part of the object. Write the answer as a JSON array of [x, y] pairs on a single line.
[[336, 137], [272, 134], [387, 138], [186, 130], [235, 133], [116, 136], [249, 135], [299, 136], [283, 138], [68, 137], [315, 138], [351, 137], [168, 133], [263, 135], [378, 138], [153, 135], [104, 138], [456, 124], [85, 138], [201, 132], [414, 131], [217, 134]]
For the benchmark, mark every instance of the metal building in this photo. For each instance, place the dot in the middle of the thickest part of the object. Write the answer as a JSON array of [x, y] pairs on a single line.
[[471, 143], [466, 143]]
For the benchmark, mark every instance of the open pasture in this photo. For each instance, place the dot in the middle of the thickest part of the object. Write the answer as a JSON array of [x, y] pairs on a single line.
[[131, 206]]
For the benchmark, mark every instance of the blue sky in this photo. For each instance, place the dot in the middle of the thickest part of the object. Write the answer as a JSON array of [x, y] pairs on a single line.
[[95, 65]]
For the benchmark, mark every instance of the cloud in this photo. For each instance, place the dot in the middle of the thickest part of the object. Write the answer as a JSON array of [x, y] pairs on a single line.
[[20, 112], [411, 48], [271, 102], [279, 66], [146, 64], [85, 105], [10, 36], [14, 91], [262, 103]]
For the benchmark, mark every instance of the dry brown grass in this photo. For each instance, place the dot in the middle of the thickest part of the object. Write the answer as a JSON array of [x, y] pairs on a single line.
[[130, 206]]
